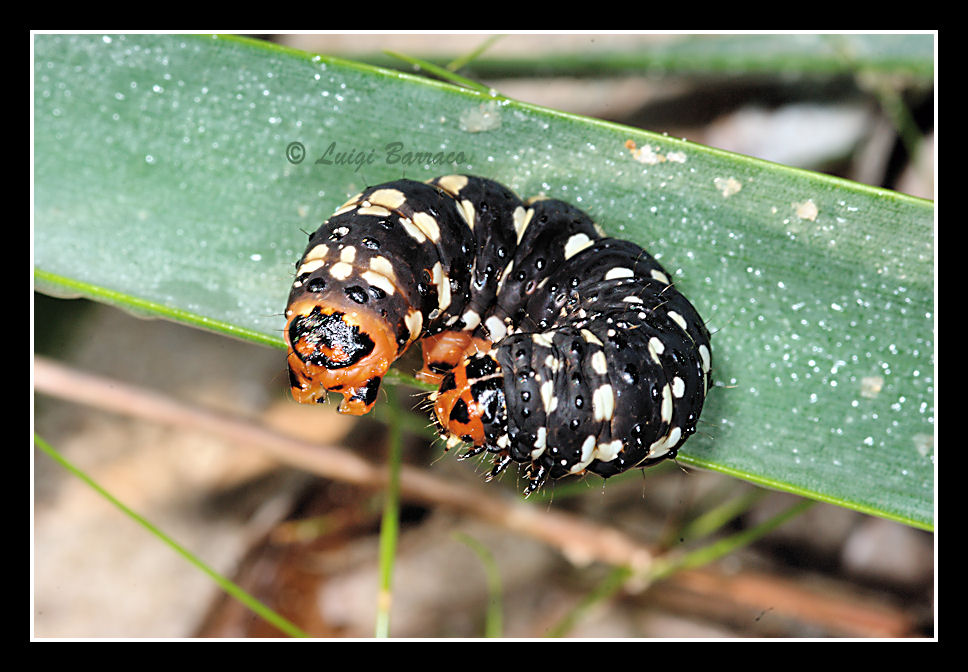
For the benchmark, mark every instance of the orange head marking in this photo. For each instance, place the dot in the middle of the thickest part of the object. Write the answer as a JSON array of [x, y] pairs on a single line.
[[332, 350]]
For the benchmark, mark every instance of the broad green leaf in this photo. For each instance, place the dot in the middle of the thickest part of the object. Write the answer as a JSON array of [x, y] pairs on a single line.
[[897, 55], [162, 185]]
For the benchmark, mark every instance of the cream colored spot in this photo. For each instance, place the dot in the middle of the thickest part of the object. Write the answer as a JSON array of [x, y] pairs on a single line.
[[552, 363], [348, 255], [388, 198], [660, 276], [341, 271], [587, 455], [591, 338], [547, 389], [443, 294], [704, 354], [383, 266], [310, 266], [542, 339], [495, 328], [504, 275], [678, 387], [619, 272], [656, 348], [608, 451], [540, 443], [426, 223], [344, 209], [666, 412], [318, 252], [470, 215], [374, 210], [633, 299], [379, 280], [471, 319], [452, 183], [352, 202], [603, 403], [521, 220], [414, 322], [576, 244], [413, 230], [599, 363], [678, 319]]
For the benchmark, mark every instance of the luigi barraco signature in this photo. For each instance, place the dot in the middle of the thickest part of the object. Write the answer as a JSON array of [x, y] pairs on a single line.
[[394, 153]]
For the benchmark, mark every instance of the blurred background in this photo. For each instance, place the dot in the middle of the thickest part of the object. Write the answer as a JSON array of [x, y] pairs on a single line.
[[307, 546]]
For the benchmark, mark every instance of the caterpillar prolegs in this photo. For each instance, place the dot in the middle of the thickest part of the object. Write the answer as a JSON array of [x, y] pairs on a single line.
[[554, 345]]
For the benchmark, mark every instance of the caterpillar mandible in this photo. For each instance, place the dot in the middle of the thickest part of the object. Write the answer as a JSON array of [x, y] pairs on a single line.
[[554, 345]]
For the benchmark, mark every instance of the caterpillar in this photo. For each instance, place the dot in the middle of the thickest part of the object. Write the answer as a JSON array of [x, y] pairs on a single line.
[[554, 346]]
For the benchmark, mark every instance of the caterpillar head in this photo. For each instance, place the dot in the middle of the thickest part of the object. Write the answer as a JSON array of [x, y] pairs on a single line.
[[470, 403], [338, 349]]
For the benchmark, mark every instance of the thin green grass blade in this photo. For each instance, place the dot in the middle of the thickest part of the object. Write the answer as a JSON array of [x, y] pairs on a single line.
[[167, 180], [225, 584]]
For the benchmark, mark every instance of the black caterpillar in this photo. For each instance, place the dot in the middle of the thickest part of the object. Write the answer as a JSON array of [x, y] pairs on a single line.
[[555, 346]]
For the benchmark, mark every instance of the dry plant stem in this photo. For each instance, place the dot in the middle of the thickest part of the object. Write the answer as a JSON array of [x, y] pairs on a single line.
[[579, 540]]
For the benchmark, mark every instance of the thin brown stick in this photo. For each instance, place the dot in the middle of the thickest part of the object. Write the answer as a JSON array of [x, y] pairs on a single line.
[[578, 539]]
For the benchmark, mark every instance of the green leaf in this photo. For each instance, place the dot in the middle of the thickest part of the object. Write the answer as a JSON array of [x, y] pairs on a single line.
[[162, 185]]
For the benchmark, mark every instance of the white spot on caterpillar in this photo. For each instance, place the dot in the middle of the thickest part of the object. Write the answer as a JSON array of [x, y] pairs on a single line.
[[599, 363], [341, 271], [656, 348], [318, 252], [443, 295], [591, 338], [471, 319], [348, 255], [310, 266], [414, 322], [413, 230], [547, 389], [660, 276], [603, 403], [470, 215], [633, 299], [379, 280], [374, 210], [663, 445], [619, 272], [606, 452], [678, 387], [576, 244], [521, 219], [383, 266], [426, 223], [452, 183], [704, 354], [552, 363], [666, 412], [542, 339], [678, 319], [388, 198], [495, 328], [587, 455], [540, 443], [504, 275]]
